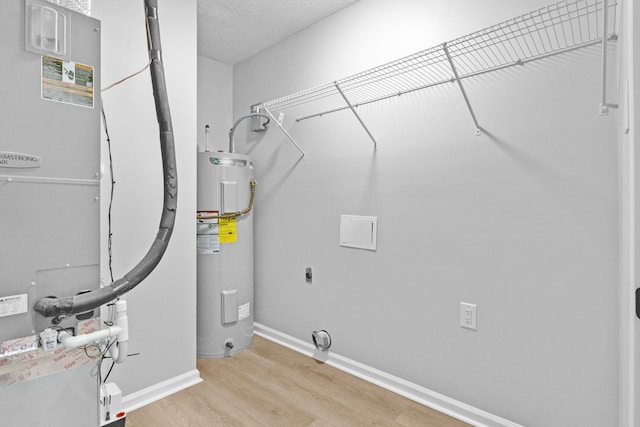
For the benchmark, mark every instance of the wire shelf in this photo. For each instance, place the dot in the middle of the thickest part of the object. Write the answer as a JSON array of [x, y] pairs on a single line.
[[550, 30]]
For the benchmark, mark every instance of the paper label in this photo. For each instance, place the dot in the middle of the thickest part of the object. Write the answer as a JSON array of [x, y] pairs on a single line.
[[67, 81], [244, 311], [228, 230], [14, 304], [208, 244], [208, 240]]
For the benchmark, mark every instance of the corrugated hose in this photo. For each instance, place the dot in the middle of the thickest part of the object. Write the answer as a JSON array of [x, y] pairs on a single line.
[[53, 307]]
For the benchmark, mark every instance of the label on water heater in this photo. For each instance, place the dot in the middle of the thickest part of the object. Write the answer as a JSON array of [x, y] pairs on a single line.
[[14, 304], [228, 230], [244, 311], [208, 232], [208, 244]]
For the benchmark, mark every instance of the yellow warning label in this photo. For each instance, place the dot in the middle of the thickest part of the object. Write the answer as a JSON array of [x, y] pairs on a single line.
[[227, 229]]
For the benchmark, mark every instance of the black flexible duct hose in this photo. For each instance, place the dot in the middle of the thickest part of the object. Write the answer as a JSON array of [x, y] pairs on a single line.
[[52, 307]]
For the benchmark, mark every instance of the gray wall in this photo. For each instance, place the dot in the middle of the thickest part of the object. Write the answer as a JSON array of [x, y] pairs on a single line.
[[521, 221], [630, 329], [162, 308], [215, 103]]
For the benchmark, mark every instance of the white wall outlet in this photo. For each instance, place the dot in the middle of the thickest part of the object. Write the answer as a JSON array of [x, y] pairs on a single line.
[[468, 316]]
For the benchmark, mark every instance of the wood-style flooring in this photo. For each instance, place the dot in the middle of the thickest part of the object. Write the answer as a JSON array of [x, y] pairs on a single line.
[[271, 385]]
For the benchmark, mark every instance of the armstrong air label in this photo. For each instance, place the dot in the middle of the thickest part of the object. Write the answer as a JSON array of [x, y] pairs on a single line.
[[18, 160], [67, 81]]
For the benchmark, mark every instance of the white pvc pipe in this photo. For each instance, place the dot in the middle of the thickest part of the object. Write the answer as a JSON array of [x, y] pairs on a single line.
[[118, 352], [121, 330], [70, 342]]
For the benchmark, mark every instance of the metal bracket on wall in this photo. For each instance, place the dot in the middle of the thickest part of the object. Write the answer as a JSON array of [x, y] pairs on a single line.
[[375, 144], [464, 93], [284, 130], [604, 105]]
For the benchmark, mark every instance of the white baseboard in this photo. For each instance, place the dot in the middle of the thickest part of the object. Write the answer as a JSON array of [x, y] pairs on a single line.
[[424, 396], [160, 390]]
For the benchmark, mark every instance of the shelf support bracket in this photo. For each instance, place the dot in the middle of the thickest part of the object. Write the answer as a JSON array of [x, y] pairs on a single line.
[[604, 105], [464, 93], [283, 130], [375, 144]]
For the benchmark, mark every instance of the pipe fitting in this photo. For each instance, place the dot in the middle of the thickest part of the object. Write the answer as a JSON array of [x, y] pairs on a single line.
[[232, 131], [321, 339]]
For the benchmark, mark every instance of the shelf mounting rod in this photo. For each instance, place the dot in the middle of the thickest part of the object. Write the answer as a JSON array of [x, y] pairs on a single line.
[[604, 105], [464, 93], [283, 130], [375, 144]]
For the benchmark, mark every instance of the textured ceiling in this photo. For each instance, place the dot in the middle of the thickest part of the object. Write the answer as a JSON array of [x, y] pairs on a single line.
[[232, 30]]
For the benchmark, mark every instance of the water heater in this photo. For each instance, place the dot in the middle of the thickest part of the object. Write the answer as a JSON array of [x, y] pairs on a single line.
[[225, 253]]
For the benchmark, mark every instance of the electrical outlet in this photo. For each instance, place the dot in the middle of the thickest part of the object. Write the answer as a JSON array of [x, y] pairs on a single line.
[[468, 316]]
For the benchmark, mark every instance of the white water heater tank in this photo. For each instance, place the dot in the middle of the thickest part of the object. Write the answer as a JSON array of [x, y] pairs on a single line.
[[225, 254]]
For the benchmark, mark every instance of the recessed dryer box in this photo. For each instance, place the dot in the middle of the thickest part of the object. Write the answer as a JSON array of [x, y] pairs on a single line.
[[359, 231]]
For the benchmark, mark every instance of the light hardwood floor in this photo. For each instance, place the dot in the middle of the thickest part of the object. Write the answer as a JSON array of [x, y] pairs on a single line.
[[271, 385]]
